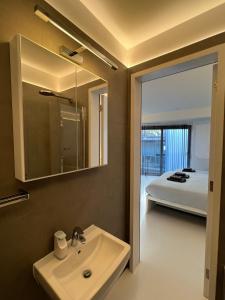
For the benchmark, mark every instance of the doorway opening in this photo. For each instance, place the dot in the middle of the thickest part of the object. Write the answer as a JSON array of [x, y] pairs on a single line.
[[175, 135], [208, 57]]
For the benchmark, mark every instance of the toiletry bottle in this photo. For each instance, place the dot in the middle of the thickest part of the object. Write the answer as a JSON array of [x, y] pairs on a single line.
[[60, 245]]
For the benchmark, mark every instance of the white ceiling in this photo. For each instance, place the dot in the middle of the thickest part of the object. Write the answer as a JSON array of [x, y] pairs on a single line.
[[135, 31], [189, 90], [133, 22]]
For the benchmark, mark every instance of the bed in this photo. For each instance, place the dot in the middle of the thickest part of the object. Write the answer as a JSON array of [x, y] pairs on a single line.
[[190, 196]]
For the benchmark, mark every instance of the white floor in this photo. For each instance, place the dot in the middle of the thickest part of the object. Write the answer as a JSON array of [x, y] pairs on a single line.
[[172, 258], [145, 180]]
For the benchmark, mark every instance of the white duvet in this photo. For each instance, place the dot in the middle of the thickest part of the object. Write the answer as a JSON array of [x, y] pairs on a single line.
[[193, 193]]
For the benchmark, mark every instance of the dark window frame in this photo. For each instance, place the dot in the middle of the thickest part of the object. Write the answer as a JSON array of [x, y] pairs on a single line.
[[162, 127]]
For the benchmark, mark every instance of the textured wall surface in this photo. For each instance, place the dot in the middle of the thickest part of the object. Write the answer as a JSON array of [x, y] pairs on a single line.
[[96, 196]]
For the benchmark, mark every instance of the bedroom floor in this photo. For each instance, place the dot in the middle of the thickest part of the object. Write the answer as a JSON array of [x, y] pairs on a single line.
[[172, 258], [145, 180]]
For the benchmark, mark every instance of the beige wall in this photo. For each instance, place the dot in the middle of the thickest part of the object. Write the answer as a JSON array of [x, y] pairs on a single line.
[[95, 196]]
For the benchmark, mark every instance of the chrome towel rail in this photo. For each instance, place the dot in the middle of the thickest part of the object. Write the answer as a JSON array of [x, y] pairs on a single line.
[[11, 199]]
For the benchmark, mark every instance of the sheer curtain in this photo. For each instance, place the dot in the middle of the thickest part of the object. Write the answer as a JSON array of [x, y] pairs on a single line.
[[175, 149]]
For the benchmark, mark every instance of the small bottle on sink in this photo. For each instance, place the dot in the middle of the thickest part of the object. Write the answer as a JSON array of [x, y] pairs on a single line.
[[60, 245]]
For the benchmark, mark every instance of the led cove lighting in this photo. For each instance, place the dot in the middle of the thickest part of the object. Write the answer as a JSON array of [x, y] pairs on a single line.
[[46, 18]]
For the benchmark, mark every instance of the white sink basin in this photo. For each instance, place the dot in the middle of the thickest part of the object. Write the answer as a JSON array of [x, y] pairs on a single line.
[[103, 254]]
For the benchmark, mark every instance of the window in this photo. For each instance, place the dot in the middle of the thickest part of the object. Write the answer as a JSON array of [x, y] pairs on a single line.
[[165, 148]]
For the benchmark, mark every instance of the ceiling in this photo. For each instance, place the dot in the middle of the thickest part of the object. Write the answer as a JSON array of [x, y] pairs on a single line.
[[133, 22], [135, 31], [189, 90]]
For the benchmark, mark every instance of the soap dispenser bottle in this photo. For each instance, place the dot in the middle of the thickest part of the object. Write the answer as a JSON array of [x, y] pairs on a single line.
[[60, 245]]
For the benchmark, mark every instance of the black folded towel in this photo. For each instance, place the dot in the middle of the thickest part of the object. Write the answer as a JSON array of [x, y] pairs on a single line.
[[176, 179], [183, 175], [188, 170]]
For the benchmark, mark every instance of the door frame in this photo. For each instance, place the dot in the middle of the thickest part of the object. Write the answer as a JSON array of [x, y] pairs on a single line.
[[215, 162], [93, 147]]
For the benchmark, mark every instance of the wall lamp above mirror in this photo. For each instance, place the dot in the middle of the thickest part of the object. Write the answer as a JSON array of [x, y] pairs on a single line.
[[60, 113], [42, 14]]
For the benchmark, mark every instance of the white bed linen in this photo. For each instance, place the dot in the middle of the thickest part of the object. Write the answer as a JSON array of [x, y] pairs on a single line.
[[193, 193]]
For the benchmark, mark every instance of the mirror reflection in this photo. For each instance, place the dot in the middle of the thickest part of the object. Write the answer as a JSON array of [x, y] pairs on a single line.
[[65, 110]]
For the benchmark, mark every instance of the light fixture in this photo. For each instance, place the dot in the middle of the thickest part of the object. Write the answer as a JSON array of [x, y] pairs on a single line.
[[71, 55], [46, 18]]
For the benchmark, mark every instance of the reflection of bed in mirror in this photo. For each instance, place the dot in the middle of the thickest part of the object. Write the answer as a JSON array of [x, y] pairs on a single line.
[[190, 196], [53, 113]]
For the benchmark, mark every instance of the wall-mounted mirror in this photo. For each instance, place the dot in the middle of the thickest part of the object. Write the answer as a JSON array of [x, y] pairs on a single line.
[[59, 113]]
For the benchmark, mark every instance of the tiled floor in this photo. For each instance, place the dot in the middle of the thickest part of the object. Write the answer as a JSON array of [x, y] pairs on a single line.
[[172, 258]]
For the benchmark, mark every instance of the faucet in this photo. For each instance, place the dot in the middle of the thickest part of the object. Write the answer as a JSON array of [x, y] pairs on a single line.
[[78, 236]]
